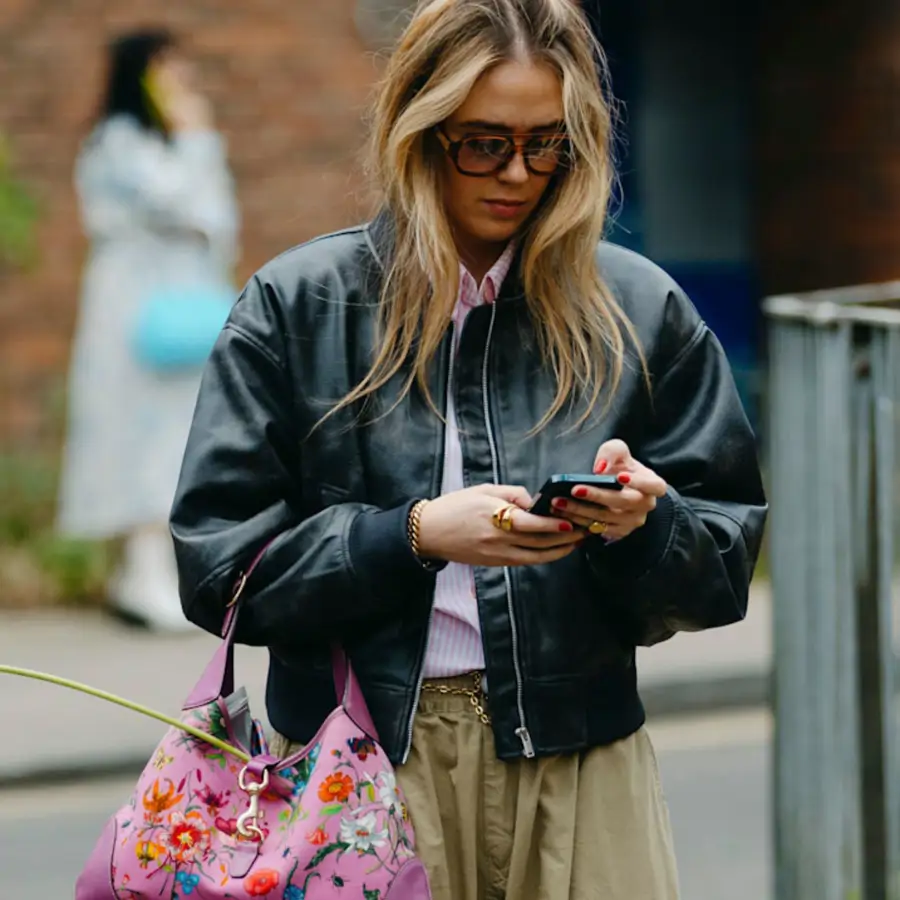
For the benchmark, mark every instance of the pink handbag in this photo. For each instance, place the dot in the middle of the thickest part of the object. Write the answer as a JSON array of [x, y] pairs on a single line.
[[206, 824]]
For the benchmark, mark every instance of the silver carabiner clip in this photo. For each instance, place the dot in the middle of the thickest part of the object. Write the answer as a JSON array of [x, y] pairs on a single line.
[[248, 822]]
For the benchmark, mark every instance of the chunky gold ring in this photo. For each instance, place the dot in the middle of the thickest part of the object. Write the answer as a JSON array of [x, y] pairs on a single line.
[[598, 527], [497, 517], [502, 518]]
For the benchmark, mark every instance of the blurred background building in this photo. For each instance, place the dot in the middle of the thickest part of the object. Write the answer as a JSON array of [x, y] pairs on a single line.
[[755, 154], [288, 82], [761, 151]]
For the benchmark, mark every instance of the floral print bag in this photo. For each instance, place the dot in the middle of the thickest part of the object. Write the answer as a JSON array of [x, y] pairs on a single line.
[[207, 823]]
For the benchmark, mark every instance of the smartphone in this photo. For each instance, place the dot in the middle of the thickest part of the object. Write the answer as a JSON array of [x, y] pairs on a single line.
[[154, 95], [561, 486]]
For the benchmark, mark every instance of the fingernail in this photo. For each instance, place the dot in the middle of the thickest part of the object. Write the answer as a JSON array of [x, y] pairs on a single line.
[[580, 492], [601, 467], [624, 478], [565, 526], [560, 504]]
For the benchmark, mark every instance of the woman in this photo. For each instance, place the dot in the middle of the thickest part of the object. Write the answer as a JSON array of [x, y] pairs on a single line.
[[496, 648], [158, 207]]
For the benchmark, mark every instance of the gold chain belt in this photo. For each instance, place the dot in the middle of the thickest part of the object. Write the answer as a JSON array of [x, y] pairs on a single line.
[[475, 695]]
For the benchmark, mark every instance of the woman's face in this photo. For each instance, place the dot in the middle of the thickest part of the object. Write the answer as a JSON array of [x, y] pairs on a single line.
[[172, 71], [520, 98]]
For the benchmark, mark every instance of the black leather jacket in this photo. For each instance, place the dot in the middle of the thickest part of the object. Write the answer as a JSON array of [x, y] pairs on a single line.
[[559, 639]]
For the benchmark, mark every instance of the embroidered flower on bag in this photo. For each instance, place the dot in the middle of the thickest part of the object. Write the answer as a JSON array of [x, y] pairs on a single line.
[[260, 883], [186, 840], [212, 800], [388, 792], [148, 852], [157, 801], [188, 882], [336, 788], [362, 833]]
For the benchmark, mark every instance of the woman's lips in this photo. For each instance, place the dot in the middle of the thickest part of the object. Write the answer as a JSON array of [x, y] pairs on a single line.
[[504, 209]]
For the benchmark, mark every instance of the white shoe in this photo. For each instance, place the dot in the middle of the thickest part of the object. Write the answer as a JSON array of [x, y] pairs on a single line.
[[146, 586]]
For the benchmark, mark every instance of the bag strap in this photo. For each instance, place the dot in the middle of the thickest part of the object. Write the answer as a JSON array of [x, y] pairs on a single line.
[[217, 679], [348, 692]]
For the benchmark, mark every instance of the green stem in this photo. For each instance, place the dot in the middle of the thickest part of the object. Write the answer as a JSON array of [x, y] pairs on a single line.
[[128, 704]]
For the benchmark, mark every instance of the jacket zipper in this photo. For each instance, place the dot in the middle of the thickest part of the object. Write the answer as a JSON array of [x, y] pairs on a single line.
[[424, 648], [522, 732]]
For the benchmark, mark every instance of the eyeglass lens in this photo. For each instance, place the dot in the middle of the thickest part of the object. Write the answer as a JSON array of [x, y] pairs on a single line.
[[543, 154]]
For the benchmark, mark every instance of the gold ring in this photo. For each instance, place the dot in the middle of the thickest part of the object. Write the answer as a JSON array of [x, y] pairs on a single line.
[[598, 527], [502, 518]]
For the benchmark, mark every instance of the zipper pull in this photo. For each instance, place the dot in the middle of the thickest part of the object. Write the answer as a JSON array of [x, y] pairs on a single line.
[[523, 735]]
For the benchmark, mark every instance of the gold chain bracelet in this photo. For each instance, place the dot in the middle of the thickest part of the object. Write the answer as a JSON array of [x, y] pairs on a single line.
[[412, 525], [412, 534]]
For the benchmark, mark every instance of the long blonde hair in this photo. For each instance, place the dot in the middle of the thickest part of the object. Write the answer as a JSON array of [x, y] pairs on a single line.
[[445, 48]]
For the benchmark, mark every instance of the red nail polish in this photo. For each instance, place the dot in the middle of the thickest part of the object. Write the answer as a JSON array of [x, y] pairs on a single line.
[[601, 466], [624, 478], [580, 492], [565, 526], [560, 503]]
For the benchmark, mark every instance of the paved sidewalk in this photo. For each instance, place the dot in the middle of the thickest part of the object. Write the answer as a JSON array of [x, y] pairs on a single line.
[[52, 732]]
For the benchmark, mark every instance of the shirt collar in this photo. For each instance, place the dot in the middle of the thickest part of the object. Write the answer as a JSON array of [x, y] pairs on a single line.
[[493, 280]]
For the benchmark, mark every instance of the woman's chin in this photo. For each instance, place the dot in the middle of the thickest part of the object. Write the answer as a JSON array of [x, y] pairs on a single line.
[[493, 231]]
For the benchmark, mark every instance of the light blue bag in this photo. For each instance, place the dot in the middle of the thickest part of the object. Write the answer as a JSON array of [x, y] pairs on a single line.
[[177, 327]]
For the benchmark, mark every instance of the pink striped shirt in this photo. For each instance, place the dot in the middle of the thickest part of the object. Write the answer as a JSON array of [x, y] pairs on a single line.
[[454, 641]]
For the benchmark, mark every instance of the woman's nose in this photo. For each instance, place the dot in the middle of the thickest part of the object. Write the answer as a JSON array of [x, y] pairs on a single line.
[[515, 171]]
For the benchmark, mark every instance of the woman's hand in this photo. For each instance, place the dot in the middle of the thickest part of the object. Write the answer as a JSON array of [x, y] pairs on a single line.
[[621, 511], [189, 112], [458, 527], [183, 107]]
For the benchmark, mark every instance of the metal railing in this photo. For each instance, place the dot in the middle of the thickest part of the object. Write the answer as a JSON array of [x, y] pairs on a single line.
[[833, 395]]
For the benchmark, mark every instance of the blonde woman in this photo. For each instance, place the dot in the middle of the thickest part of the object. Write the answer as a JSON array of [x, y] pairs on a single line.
[[384, 403]]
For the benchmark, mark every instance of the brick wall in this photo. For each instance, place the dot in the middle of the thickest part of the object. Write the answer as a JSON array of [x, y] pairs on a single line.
[[289, 80], [829, 134]]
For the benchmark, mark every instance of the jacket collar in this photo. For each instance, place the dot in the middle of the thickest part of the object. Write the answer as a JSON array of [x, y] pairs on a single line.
[[380, 236]]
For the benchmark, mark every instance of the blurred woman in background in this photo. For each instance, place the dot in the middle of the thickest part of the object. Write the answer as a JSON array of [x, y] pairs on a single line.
[[158, 206]]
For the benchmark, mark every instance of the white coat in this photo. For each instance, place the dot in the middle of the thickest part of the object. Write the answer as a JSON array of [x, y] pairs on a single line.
[[157, 214]]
